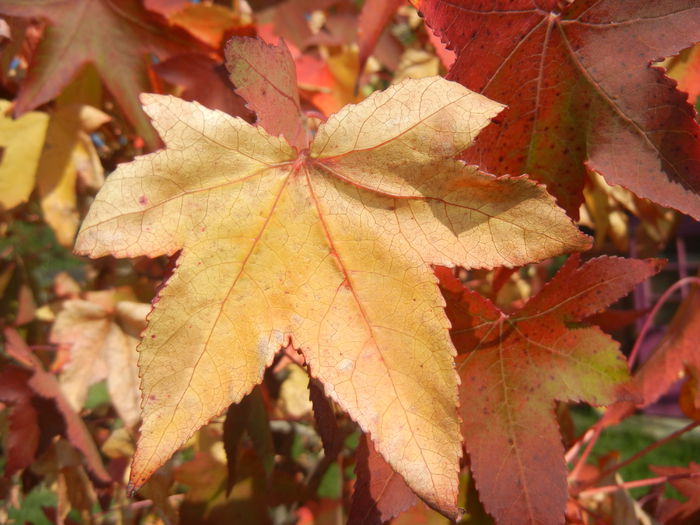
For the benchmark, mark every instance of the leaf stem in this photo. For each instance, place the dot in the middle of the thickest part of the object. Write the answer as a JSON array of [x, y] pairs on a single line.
[[580, 441], [597, 428], [134, 506], [636, 484], [650, 318], [638, 455]]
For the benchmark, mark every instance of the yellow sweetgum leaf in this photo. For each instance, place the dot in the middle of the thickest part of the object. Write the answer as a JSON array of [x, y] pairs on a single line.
[[21, 142], [330, 250], [68, 154], [97, 338]]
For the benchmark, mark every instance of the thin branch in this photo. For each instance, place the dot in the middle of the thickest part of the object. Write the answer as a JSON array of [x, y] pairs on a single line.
[[597, 429], [134, 506], [641, 453], [573, 451], [650, 318], [636, 484]]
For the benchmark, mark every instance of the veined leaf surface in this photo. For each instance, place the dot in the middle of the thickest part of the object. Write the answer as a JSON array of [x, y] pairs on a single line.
[[328, 249]]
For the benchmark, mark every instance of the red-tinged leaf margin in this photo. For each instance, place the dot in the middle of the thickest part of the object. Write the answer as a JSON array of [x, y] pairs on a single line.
[[380, 493], [514, 367], [45, 385]]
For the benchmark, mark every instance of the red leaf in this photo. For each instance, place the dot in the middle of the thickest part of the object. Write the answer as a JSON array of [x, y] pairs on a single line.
[[612, 320], [114, 35], [514, 366], [374, 17], [22, 438], [579, 89], [205, 81], [265, 76], [380, 493], [45, 385], [689, 487], [689, 399]]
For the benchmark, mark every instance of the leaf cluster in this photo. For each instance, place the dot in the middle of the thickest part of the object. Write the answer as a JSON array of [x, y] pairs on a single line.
[[352, 262]]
